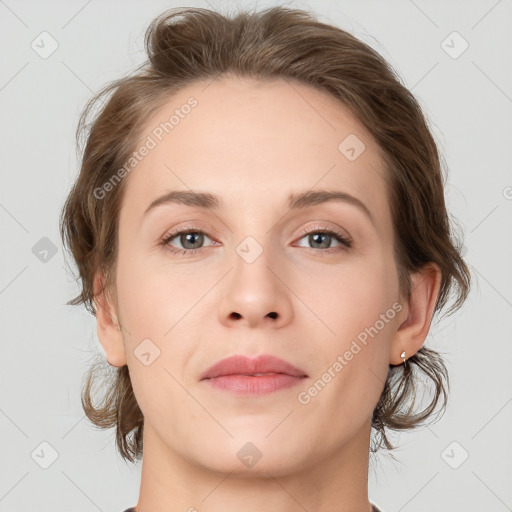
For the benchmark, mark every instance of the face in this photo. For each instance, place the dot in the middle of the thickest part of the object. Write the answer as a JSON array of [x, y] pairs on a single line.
[[313, 282]]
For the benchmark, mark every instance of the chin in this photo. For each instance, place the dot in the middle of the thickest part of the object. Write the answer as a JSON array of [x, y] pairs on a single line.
[[253, 454]]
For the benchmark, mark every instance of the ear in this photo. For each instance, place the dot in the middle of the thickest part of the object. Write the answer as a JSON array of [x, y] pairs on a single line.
[[108, 327], [416, 316]]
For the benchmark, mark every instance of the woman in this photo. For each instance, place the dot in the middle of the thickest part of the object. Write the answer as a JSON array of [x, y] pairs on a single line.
[[260, 229]]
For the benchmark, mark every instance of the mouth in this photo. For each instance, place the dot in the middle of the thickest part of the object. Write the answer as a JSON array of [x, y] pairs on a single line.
[[242, 375], [261, 384]]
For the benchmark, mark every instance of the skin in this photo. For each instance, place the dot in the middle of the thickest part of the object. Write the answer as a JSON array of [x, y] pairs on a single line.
[[254, 143]]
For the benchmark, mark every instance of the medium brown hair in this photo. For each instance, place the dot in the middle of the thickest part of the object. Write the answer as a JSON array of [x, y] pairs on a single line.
[[185, 45]]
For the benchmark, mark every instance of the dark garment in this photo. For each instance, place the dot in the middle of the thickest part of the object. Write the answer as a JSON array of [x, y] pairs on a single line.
[[374, 509]]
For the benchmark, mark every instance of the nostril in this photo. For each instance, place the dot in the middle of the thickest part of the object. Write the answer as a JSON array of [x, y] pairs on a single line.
[[235, 315]]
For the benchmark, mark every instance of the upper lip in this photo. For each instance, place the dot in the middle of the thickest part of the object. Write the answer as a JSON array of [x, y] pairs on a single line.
[[243, 365]]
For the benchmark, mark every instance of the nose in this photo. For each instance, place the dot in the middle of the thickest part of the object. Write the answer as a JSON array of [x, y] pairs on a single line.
[[255, 294]]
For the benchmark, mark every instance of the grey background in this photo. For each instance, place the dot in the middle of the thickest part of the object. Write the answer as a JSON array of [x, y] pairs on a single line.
[[46, 345]]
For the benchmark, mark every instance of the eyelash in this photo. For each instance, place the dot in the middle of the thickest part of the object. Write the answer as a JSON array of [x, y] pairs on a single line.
[[347, 242]]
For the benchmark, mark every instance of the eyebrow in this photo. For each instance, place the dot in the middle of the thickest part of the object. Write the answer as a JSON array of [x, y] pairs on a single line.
[[295, 201]]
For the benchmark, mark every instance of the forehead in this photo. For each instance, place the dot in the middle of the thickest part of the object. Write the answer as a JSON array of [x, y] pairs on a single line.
[[246, 140]]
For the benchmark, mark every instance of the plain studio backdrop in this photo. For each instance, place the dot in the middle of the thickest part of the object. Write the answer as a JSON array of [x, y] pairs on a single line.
[[455, 57]]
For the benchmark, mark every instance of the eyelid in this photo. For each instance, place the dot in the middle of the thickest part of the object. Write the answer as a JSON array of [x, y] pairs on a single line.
[[327, 226], [186, 228]]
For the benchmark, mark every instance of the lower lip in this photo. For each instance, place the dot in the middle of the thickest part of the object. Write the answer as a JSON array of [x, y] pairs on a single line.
[[254, 385]]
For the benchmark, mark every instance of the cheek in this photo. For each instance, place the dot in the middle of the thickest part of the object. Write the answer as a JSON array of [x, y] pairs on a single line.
[[161, 306], [151, 298], [350, 297], [155, 311], [358, 306]]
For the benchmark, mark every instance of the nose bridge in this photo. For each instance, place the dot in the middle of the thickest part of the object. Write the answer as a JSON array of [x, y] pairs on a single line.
[[257, 251], [253, 237], [251, 266]]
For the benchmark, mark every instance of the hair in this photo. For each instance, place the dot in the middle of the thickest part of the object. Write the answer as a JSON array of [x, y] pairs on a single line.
[[186, 45]]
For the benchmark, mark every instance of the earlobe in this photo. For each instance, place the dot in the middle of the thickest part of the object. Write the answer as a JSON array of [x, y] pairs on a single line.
[[413, 330], [108, 327]]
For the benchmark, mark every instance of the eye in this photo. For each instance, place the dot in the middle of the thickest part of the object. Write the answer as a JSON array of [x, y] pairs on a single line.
[[323, 236], [190, 238]]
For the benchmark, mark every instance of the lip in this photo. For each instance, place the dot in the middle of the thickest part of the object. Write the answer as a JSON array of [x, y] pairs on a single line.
[[238, 374]]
